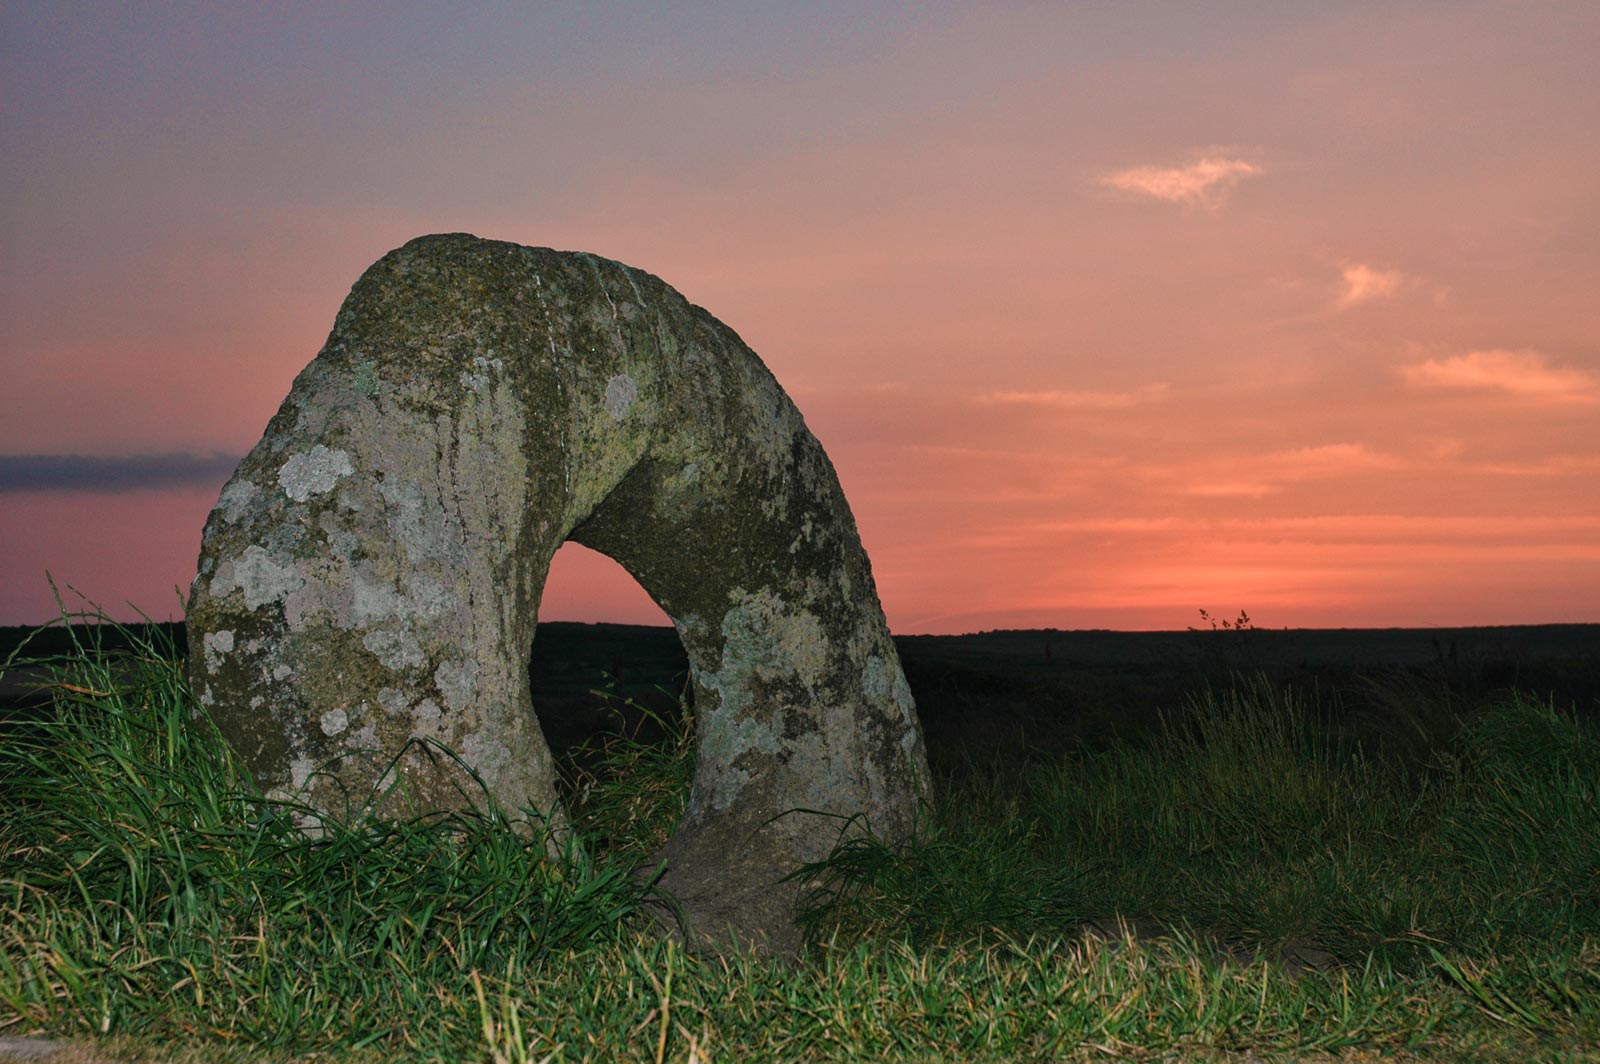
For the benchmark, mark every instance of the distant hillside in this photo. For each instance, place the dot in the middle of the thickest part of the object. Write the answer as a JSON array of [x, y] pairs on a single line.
[[1264, 647], [993, 694], [572, 646]]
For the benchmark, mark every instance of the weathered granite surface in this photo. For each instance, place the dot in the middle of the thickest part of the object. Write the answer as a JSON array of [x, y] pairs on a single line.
[[371, 574]]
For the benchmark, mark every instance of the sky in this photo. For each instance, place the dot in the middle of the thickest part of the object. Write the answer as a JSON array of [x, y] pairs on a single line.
[[1106, 313]]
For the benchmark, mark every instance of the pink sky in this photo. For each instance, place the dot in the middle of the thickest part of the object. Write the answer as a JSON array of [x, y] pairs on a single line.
[[1105, 313]]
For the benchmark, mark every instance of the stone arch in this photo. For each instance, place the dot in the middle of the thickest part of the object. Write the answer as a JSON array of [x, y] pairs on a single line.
[[372, 572]]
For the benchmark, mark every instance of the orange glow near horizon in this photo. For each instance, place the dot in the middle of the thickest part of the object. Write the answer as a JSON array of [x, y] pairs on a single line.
[[1101, 323]]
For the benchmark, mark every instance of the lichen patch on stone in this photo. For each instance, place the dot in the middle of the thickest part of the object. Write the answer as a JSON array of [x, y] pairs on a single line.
[[397, 650], [764, 637], [621, 391], [365, 380], [258, 576], [457, 682], [429, 596], [217, 644], [884, 680], [300, 770], [487, 755], [313, 473], [417, 523], [373, 600], [484, 369], [235, 500]]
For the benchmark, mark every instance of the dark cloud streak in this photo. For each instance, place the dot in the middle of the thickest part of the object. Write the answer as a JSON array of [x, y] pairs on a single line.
[[110, 475]]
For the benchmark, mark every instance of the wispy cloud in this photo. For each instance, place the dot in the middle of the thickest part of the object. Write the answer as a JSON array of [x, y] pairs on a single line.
[[1078, 400], [1525, 374], [1205, 182], [1342, 527], [1245, 489], [1560, 465], [1363, 284], [1258, 476], [1330, 460], [112, 474], [802, 386]]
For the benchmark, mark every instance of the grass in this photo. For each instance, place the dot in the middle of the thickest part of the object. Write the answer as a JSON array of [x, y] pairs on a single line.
[[1305, 881]]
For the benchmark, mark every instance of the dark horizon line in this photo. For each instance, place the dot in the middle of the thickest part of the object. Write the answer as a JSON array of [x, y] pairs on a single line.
[[54, 623]]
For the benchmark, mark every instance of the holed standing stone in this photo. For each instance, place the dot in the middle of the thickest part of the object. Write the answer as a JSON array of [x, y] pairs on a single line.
[[371, 574]]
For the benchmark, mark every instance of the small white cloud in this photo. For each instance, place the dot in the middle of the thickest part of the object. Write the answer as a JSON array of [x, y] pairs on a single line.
[[1525, 374], [1202, 183], [1362, 284], [1074, 400]]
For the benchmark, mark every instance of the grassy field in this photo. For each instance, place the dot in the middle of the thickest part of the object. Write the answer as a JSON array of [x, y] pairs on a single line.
[[1256, 872]]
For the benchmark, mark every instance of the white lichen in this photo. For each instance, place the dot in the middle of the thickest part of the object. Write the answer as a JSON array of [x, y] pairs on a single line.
[[763, 638], [235, 500], [425, 531], [373, 599], [425, 720], [300, 770], [621, 391], [477, 378], [487, 755], [458, 682], [430, 596], [397, 650], [215, 645], [258, 576], [314, 472], [764, 642], [883, 680]]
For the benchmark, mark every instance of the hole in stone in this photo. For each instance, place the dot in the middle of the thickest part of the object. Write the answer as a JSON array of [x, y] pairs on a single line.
[[600, 632]]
